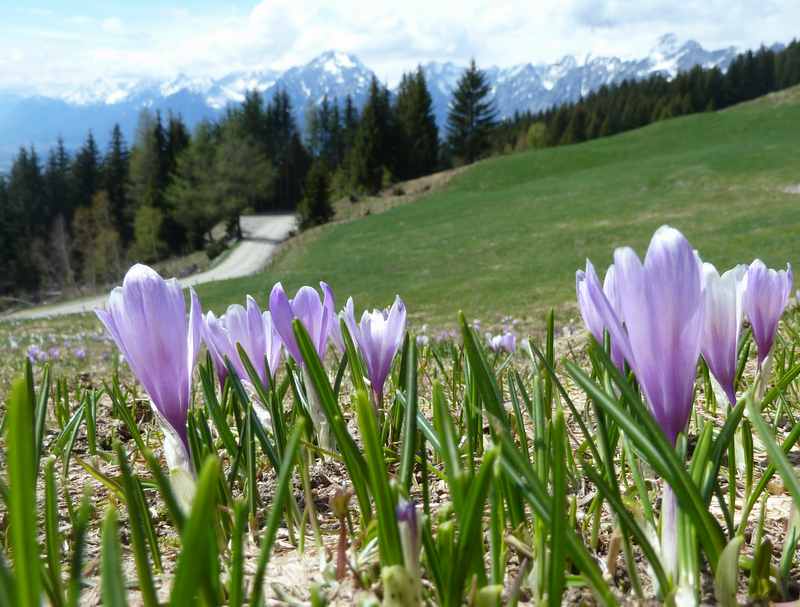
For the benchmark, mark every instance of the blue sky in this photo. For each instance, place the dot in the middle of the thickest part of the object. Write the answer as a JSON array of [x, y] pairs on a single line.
[[55, 44]]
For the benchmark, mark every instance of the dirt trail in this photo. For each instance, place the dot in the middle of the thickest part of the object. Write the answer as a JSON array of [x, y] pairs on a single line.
[[262, 234]]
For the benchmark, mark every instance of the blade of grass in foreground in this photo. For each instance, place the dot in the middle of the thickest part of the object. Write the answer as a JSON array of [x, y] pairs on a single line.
[[22, 494], [195, 573], [112, 580], [278, 505]]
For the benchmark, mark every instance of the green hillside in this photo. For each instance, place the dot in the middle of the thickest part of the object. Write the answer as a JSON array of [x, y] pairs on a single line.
[[506, 236]]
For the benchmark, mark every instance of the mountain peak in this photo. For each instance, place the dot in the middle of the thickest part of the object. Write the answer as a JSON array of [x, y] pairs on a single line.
[[335, 61], [667, 44]]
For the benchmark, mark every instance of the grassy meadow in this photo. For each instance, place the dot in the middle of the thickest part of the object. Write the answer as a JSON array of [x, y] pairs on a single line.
[[505, 237]]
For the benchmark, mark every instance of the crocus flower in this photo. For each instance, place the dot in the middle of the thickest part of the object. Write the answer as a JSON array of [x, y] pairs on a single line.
[[765, 299], [378, 335], [662, 303], [252, 329], [318, 317], [505, 342], [146, 318], [79, 353], [592, 317], [722, 323], [410, 534]]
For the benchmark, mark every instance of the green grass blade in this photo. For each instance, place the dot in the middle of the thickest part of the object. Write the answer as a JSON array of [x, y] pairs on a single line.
[[41, 413], [20, 436], [557, 561], [236, 584], [78, 542], [165, 488], [356, 465], [410, 419], [52, 535], [388, 535], [195, 572], [651, 442], [282, 489], [112, 580], [776, 455], [136, 524]]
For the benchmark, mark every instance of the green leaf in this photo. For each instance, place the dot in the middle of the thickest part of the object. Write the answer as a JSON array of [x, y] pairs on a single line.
[[557, 564], [165, 488], [78, 542], [726, 580], [195, 571], [641, 428], [388, 534], [283, 487], [136, 522], [112, 580], [356, 465], [776, 455], [236, 584], [52, 535], [22, 493], [410, 419]]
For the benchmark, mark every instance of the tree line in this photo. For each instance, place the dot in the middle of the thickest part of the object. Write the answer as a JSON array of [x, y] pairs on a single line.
[[79, 219], [636, 103]]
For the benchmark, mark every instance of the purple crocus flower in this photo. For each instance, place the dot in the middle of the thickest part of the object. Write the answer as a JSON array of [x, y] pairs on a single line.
[[318, 317], [146, 317], [79, 353], [662, 303], [505, 342], [252, 329], [410, 535], [591, 310], [378, 335], [765, 299], [722, 324]]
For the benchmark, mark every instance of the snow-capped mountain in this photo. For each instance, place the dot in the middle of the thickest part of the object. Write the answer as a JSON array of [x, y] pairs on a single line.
[[39, 119]]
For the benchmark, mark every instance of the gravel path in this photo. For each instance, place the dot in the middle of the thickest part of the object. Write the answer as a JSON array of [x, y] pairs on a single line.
[[262, 233]]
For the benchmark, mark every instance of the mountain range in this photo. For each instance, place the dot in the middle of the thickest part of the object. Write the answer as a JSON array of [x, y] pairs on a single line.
[[38, 119]]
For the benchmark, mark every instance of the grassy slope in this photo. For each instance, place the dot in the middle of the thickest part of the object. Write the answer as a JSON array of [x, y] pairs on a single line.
[[506, 236]]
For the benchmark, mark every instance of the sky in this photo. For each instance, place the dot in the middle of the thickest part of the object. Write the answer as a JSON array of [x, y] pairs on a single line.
[[51, 45]]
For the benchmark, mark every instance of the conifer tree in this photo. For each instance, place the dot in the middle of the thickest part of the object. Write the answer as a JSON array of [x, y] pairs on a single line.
[[371, 158], [86, 172], [472, 116], [419, 145], [115, 183], [315, 208]]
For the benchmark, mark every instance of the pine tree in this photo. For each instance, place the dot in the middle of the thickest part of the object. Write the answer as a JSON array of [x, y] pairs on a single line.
[[373, 155], [57, 183], [472, 116], [315, 208], [350, 123], [419, 144], [86, 172], [115, 183]]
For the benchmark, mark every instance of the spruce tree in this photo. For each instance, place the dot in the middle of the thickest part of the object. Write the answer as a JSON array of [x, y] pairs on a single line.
[[86, 172], [419, 144], [315, 208], [115, 183], [373, 154], [472, 116]]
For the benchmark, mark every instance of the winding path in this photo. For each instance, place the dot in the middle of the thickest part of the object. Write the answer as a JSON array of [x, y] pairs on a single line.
[[262, 233]]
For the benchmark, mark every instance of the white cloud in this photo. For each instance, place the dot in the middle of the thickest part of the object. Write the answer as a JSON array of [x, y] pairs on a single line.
[[112, 25], [387, 37]]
